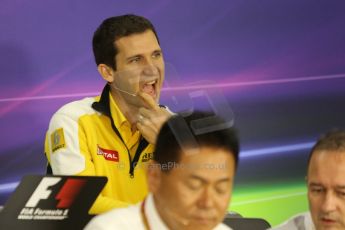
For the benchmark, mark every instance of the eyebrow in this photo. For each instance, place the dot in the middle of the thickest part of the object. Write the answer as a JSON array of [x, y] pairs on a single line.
[[315, 184], [157, 50], [134, 56], [140, 55], [320, 185], [340, 187], [226, 179]]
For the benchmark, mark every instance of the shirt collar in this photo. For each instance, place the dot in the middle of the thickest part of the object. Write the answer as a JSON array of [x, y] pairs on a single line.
[[102, 105], [118, 117], [155, 221]]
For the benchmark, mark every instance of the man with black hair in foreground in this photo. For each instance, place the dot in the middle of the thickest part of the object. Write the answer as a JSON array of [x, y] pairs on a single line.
[[190, 179]]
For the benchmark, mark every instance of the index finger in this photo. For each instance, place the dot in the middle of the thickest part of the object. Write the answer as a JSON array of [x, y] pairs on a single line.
[[148, 100]]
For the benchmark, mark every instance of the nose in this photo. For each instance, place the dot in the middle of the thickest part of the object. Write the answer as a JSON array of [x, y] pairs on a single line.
[[329, 203], [150, 70], [150, 66], [206, 199]]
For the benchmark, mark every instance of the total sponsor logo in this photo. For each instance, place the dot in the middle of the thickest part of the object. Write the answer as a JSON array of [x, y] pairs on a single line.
[[65, 197], [110, 155]]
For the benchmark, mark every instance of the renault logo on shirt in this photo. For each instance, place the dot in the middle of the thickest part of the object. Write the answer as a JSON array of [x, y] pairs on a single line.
[[110, 155], [57, 139], [147, 157]]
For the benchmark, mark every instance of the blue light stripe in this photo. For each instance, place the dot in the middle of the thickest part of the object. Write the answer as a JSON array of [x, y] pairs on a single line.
[[275, 150], [8, 187]]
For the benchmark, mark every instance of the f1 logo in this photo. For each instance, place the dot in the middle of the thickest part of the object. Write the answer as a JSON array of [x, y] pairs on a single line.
[[42, 191], [66, 195]]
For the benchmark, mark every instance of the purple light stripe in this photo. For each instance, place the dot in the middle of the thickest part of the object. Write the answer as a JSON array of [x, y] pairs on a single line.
[[192, 87], [261, 82], [51, 80], [49, 97], [201, 30]]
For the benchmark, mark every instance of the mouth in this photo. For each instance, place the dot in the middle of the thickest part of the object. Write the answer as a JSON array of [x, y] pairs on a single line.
[[150, 88], [204, 220], [328, 221]]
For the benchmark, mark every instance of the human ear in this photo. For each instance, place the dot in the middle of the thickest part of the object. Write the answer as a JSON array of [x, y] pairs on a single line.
[[106, 72]]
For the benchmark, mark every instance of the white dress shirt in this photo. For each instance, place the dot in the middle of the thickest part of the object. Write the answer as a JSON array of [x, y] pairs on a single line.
[[302, 221], [131, 218]]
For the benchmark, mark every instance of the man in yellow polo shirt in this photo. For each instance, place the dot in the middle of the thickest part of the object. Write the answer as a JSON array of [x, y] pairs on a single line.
[[112, 135]]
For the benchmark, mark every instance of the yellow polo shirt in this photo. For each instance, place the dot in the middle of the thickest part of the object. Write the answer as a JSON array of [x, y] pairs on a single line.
[[81, 140]]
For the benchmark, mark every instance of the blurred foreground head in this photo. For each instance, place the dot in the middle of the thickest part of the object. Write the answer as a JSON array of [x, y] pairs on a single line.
[[193, 170]]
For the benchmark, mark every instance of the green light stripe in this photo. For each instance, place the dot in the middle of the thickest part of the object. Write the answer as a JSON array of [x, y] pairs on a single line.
[[273, 202]]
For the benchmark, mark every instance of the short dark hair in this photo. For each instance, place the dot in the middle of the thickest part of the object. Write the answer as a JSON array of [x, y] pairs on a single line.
[[112, 29], [331, 141], [177, 133]]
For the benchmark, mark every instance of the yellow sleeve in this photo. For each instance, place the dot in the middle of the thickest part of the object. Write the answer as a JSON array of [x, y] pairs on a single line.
[[67, 152], [46, 148]]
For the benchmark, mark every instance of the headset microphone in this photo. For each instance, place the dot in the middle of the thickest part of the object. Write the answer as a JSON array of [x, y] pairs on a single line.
[[123, 91]]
